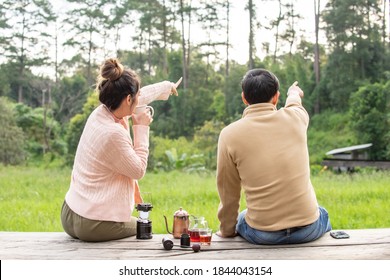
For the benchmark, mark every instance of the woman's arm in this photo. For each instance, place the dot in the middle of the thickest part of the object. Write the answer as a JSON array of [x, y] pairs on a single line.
[[157, 91]]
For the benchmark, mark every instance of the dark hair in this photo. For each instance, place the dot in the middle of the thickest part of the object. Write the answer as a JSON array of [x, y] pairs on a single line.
[[259, 86], [114, 83]]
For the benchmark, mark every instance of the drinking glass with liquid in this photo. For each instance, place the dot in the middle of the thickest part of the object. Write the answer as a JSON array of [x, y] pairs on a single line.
[[205, 236]]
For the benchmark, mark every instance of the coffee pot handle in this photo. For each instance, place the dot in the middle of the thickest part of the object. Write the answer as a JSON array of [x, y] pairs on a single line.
[[166, 224]]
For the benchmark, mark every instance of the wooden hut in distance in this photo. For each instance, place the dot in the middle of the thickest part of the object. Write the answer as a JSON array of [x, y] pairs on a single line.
[[347, 158]]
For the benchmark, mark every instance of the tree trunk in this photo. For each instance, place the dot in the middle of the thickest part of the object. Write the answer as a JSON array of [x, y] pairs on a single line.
[[277, 31], [251, 33], [384, 27], [21, 79], [89, 74], [227, 38], [56, 57], [46, 142], [22, 62], [188, 61], [317, 55], [165, 40], [149, 50], [183, 45], [292, 28], [140, 56]]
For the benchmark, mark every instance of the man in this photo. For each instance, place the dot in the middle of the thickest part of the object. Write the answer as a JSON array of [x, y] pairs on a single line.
[[265, 153]]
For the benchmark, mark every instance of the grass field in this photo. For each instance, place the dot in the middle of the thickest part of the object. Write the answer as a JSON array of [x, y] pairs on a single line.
[[31, 198]]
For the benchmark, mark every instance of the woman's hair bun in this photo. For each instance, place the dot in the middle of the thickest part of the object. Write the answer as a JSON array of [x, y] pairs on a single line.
[[111, 69]]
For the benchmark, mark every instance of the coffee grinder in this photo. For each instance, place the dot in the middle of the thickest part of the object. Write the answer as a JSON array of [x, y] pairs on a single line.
[[144, 225]]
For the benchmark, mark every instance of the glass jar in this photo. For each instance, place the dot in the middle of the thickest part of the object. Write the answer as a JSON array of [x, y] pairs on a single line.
[[196, 225]]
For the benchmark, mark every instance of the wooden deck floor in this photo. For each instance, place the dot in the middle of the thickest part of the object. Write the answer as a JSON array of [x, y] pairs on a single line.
[[367, 244]]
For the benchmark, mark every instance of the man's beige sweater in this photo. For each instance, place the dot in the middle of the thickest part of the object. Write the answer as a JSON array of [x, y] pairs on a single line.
[[265, 153]]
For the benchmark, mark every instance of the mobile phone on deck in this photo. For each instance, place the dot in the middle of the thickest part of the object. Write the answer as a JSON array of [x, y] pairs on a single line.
[[339, 234]]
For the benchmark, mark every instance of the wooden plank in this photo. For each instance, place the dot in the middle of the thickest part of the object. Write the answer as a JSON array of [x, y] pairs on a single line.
[[366, 244]]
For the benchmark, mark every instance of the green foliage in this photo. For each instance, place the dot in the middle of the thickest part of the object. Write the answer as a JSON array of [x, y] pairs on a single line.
[[327, 131], [357, 51], [180, 115], [174, 154], [233, 102], [357, 55], [193, 163], [41, 130], [206, 139], [182, 154], [76, 126], [11, 136], [218, 108], [291, 68], [28, 40], [369, 120], [5, 85], [89, 20], [69, 97]]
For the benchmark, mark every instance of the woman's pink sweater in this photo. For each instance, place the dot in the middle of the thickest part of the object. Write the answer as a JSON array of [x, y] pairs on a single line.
[[108, 164]]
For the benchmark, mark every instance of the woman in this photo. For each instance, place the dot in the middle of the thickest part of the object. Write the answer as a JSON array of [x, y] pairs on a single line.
[[103, 188]]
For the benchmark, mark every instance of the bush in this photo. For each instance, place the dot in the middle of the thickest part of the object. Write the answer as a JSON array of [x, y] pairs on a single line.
[[328, 131], [41, 130], [76, 126], [11, 136], [170, 154], [369, 120], [206, 139]]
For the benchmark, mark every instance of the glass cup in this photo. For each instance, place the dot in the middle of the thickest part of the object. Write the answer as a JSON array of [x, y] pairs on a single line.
[[141, 108], [205, 236]]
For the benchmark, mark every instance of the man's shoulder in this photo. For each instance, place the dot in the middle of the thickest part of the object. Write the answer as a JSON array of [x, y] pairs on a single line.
[[296, 111], [233, 126], [231, 131]]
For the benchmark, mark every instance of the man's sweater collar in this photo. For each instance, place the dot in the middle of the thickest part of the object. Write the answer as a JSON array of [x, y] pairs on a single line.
[[259, 109]]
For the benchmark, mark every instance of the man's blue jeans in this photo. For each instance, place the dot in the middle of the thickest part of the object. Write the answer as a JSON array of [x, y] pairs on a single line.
[[286, 236]]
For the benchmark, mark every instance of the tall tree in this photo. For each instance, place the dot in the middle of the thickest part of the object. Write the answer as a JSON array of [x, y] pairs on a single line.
[[227, 6], [69, 96], [357, 53], [3, 27], [317, 52], [27, 41], [291, 17], [384, 25], [147, 25], [209, 17], [166, 17], [370, 119], [276, 24], [185, 10], [87, 20], [156, 26], [122, 15], [183, 46]]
